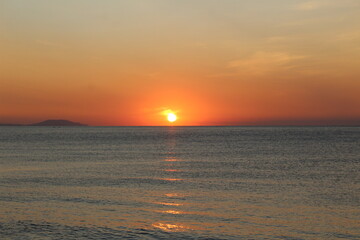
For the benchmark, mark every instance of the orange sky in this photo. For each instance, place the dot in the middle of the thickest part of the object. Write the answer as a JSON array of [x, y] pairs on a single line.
[[213, 62]]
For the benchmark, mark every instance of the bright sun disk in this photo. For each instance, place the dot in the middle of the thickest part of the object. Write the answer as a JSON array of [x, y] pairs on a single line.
[[171, 117]]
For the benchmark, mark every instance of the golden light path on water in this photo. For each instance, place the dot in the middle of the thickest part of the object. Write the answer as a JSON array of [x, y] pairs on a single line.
[[170, 163], [169, 204], [172, 170], [170, 227]]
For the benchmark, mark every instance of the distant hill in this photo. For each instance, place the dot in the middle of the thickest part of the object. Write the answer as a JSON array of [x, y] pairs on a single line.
[[59, 122]]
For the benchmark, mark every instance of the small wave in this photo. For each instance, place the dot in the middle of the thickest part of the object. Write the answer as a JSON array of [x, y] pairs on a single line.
[[21, 230]]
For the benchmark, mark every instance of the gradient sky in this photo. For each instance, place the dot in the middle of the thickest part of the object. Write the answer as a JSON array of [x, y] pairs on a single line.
[[213, 62]]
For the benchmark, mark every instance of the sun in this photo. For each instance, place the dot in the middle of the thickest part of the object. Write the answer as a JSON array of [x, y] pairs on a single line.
[[171, 117]]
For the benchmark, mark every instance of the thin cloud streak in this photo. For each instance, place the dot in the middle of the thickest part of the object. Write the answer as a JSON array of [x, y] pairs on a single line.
[[265, 62], [319, 4]]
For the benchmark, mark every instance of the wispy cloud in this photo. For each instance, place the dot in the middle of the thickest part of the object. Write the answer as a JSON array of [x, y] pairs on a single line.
[[160, 110], [318, 4], [265, 62], [309, 5], [348, 36]]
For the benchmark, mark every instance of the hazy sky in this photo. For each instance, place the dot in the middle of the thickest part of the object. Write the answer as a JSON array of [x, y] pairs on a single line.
[[213, 62]]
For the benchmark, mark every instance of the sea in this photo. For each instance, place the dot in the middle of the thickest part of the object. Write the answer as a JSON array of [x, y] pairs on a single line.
[[179, 183]]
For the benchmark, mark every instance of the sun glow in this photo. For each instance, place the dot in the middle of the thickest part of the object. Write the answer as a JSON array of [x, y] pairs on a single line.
[[171, 117]]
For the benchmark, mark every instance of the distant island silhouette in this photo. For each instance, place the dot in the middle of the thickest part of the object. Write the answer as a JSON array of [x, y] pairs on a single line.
[[50, 123], [58, 122]]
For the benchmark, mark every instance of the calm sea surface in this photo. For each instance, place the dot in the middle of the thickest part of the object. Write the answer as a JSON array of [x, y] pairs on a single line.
[[179, 183]]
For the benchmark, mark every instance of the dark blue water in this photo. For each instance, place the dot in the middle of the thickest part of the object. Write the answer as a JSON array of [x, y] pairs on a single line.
[[179, 183]]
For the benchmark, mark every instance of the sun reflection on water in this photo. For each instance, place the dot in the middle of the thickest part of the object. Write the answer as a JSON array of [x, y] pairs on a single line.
[[170, 227], [172, 212], [172, 203], [172, 179], [174, 195], [172, 170], [172, 160], [169, 204]]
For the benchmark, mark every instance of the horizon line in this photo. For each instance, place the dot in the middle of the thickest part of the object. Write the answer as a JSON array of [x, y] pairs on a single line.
[[259, 125]]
